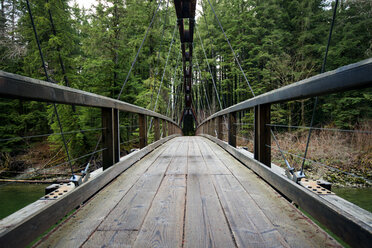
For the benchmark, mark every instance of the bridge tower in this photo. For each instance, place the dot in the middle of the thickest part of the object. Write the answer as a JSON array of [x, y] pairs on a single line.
[[185, 10]]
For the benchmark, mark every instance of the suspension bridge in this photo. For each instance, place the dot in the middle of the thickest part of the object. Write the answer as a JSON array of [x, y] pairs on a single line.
[[188, 191]]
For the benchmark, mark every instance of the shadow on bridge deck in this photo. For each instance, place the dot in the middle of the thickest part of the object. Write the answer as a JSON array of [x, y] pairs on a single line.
[[189, 192]]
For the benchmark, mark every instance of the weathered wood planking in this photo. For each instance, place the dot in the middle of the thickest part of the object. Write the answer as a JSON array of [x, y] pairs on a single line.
[[290, 222], [194, 157], [214, 165], [179, 163], [201, 208], [163, 226], [247, 221], [205, 225], [112, 239], [132, 209], [350, 228], [96, 210], [33, 225]]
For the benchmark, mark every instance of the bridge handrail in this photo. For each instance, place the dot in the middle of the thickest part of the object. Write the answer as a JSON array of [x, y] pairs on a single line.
[[349, 77], [17, 86]]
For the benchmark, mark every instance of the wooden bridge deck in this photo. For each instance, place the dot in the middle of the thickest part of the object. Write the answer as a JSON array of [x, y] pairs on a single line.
[[189, 192]]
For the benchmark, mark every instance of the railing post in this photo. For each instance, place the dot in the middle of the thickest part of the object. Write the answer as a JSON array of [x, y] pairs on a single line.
[[116, 135], [156, 129], [110, 137], [219, 127], [169, 128], [262, 135], [232, 129], [210, 127], [163, 126], [214, 127], [142, 130]]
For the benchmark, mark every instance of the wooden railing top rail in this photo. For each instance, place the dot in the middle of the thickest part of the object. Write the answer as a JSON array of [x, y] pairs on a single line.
[[21, 87], [349, 77]]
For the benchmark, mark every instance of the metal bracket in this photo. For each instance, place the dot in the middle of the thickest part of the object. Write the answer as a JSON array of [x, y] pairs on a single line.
[[77, 180], [63, 188], [314, 187], [297, 176]]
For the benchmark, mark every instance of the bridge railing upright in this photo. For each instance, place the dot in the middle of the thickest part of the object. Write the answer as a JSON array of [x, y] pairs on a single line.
[[350, 77], [25, 88]]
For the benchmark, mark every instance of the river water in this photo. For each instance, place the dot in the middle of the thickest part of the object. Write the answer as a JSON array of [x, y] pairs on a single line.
[[16, 196], [359, 196]]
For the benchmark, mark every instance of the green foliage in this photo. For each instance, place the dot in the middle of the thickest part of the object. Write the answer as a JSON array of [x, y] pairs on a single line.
[[277, 43]]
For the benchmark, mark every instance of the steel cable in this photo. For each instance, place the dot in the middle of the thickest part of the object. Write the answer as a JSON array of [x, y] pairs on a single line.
[[322, 71], [48, 79], [316, 162], [158, 56], [203, 85], [50, 134], [209, 68], [236, 58], [322, 128], [139, 50]]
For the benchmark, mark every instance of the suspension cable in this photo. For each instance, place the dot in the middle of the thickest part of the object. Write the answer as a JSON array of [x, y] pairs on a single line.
[[205, 92], [176, 96], [158, 56], [322, 71], [65, 78], [48, 79], [165, 66], [281, 152], [322, 128], [173, 83], [139, 50], [328, 166], [209, 68], [50, 134], [162, 78], [236, 58]]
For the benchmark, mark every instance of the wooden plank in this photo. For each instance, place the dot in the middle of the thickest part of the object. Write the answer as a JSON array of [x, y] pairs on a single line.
[[296, 229], [232, 129], [194, 156], [156, 129], [250, 226], [32, 226], [112, 239], [85, 221], [351, 229], [205, 223], [179, 163], [163, 226], [132, 209], [110, 137], [214, 165], [142, 130], [262, 134], [219, 127], [20, 87]]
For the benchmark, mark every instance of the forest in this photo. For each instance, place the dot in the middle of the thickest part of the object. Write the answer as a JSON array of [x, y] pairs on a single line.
[[277, 42]]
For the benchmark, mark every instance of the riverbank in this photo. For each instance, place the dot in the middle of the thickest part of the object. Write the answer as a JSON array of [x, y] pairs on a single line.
[[342, 158]]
